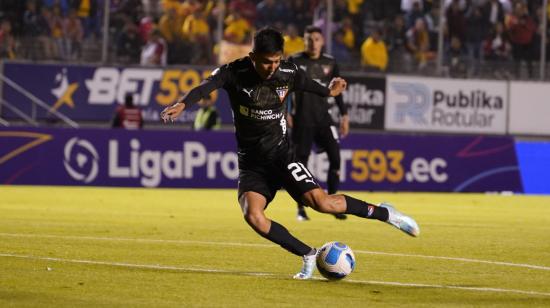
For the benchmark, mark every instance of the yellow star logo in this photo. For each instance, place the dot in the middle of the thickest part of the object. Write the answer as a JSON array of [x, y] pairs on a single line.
[[66, 98]]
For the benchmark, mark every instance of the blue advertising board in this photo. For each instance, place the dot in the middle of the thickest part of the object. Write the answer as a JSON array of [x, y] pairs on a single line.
[[92, 93], [171, 158], [534, 162]]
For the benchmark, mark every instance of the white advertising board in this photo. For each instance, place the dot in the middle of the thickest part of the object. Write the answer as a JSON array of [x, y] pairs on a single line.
[[529, 108], [445, 105]]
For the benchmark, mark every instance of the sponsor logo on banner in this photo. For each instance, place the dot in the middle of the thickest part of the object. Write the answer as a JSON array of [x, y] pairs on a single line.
[[64, 91], [446, 105], [133, 161], [365, 99], [151, 166], [91, 93], [81, 160]]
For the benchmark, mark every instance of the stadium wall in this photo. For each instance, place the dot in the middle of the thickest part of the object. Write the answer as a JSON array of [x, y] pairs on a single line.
[[467, 159], [388, 162]]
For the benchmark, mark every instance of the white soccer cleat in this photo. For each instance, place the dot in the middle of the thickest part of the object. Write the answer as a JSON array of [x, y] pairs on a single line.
[[401, 221], [308, 267]]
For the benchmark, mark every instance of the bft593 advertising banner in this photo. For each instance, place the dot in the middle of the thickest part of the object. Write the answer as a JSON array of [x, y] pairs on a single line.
[[446, 105], [171, 158], [92, 93]]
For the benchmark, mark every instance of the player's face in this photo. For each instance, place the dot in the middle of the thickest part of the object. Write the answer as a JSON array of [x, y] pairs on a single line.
[[266, 63], [314, 44]]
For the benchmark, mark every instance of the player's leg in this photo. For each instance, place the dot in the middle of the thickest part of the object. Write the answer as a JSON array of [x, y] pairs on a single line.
[[301, 185], [324, 203], [253, 205], [256, 190], [327, 138], [302, 137]]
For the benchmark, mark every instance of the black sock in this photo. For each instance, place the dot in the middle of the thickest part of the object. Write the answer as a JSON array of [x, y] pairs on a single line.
[[280, 235], [333, 181], [363, 209]]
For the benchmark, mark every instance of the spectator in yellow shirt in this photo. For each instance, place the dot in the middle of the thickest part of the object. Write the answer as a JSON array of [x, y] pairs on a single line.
[[197, 31], [293, 42], [237, 28], [374, 54], [170, 25], [349, 34]]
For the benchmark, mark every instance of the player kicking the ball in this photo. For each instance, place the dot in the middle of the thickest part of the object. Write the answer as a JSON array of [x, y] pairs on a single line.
[[257, 86]]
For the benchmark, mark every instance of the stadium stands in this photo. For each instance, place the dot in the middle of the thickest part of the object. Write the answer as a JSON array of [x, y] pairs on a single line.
[[495, 39]]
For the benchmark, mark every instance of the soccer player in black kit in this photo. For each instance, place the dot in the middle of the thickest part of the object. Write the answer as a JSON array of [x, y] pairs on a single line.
[[257, 86], [310, 119]]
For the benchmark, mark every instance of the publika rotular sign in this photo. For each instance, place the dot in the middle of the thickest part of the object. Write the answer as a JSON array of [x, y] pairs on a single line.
[[446, 105]]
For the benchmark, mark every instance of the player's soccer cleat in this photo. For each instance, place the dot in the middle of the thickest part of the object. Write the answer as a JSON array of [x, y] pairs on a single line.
[[341, 216], [302, 215], [401, 221], [308, 267]]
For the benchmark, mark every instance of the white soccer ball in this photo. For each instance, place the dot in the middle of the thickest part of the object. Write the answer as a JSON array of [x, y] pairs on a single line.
[[335, 260]]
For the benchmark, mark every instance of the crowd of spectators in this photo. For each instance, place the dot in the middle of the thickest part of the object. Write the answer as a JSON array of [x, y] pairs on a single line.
[[380, 35]]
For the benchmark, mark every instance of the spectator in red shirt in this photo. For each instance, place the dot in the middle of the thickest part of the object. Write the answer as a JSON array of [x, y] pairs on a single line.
[[521, 32], [128, 116]]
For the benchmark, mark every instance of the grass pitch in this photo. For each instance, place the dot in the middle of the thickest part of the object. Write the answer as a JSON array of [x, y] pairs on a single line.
[[64, 246]]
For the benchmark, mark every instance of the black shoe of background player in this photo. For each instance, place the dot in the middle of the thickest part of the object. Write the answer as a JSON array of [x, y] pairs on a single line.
[[302, 215], [341, 216]]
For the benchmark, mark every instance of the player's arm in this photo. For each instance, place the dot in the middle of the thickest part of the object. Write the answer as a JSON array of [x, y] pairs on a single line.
[[202, 91], [344, 118], [305, 83]]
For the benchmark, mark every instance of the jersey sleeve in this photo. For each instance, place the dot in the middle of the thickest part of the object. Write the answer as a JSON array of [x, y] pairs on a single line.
[[339, 99], [302, 82], [215, 81]]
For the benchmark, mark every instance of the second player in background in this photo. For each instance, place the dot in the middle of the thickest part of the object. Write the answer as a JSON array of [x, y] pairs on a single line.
[[309, 117]]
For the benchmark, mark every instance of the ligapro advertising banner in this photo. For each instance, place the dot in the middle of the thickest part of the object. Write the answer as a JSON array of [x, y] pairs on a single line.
[[446, 105], [208, 160], [92, 93]]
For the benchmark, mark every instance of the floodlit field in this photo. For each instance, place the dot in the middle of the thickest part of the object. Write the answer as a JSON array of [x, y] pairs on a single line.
[[165, 247]]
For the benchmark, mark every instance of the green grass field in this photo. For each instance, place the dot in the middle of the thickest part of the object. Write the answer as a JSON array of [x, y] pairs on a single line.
[[166, 247]]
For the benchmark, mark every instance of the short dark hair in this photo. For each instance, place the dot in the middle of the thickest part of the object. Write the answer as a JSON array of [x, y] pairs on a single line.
[[268, 40], [313, 29]]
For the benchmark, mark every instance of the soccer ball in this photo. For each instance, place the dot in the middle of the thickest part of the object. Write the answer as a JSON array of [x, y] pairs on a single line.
[[335, 260]]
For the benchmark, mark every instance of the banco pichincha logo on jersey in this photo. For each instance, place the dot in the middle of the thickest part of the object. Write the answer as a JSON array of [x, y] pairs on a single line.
[[447, 105], [81, 160]]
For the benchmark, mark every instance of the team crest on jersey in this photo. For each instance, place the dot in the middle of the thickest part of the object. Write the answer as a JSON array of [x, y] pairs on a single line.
[[326, 69], [281, 92]]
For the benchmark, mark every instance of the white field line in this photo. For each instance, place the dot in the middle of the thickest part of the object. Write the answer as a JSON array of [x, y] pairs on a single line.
[[269, 275], [185, 242]]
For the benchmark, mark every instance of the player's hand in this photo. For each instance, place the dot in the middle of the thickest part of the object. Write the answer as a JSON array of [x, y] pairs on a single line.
[[171, 113], [289, 120], [337, 86], [344, 126]]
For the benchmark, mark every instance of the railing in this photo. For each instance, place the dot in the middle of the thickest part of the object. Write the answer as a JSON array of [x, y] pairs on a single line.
[[36, 103]]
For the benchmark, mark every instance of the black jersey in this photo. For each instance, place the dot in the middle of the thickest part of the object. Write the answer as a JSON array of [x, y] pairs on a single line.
[[310, 109], [258, 105]]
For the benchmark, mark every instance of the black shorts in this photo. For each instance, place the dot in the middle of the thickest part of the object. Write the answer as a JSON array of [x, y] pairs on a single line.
[[266, 178]]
